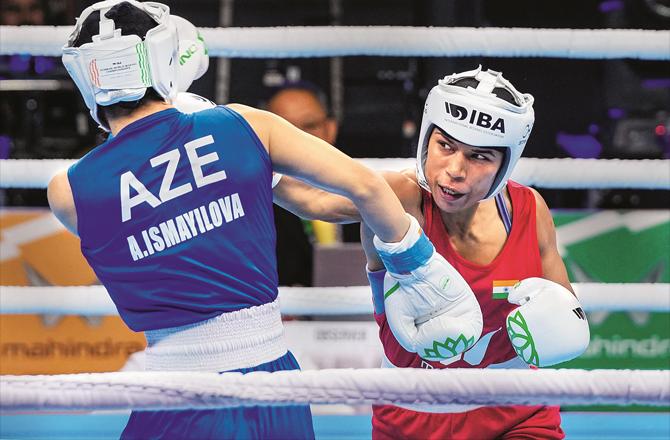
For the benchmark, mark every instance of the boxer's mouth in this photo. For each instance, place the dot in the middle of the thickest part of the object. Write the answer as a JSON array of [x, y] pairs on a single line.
[[450, 192]]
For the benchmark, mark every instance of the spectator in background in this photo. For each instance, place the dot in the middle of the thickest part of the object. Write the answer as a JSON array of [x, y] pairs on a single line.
[[303, 105], [22, 12]]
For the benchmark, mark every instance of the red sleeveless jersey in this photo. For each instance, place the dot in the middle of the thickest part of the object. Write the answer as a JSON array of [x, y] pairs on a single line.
[[518, 259]]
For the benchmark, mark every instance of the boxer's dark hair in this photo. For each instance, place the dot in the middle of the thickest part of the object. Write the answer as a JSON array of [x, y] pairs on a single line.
[[500, 92]]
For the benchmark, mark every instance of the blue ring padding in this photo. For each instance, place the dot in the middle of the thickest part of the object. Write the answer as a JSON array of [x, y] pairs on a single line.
[[105, 426], [410, 259]]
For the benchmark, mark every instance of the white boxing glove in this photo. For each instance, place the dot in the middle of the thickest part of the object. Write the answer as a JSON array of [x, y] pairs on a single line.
[[430, 308], [550, 325], [193, 57], [189, 103]]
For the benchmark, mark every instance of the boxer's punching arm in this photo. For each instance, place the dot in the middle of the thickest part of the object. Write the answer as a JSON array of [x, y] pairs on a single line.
[[409, 193], [313, 203], [407, 189], [313, 160], [294, 195]]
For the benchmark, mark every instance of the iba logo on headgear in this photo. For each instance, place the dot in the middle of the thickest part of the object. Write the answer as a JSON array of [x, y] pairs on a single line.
[[480, 119]]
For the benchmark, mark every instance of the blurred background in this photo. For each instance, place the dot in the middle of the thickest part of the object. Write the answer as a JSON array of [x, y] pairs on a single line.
[[584, 109]]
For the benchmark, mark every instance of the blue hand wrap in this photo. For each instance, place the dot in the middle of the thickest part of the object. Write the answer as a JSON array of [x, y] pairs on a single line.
[[376, 280], [410, 259]]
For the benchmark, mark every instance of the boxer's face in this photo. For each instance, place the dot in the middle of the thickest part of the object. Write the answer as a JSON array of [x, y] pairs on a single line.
[[459, 175]]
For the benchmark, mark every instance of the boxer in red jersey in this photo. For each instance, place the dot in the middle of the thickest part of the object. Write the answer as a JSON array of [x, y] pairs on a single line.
[[493, 231], [475, 242]]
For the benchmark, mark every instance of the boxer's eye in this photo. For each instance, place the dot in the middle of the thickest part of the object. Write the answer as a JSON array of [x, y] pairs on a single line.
[[445, 145]]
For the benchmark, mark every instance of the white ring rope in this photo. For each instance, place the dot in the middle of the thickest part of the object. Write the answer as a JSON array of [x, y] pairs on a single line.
[[323, 301], [191, 390], [544, 173], [326, 41]]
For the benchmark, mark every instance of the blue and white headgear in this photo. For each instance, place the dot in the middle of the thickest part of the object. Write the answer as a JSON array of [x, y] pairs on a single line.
[[114, 67], [476, 116]]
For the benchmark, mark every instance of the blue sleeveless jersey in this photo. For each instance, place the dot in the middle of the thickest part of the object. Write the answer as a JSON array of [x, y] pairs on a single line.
[[175, 217]]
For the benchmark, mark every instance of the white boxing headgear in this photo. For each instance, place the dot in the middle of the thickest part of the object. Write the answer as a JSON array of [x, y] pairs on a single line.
[[114, 67], [193, 55], [475, 115]]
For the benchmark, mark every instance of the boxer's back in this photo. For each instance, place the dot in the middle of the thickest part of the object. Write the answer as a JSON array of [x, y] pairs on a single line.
[[174, 216]]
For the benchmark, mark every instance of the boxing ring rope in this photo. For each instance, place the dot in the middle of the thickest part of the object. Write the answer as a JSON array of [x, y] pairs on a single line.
[[286, 42], [192, 390], [322, 301], [328, 41], [545, 173]]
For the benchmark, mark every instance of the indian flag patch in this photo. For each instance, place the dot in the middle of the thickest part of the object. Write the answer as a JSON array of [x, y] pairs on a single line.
[[501, 288]]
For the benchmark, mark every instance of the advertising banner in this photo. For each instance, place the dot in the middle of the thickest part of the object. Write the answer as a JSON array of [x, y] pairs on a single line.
[[602, 247]]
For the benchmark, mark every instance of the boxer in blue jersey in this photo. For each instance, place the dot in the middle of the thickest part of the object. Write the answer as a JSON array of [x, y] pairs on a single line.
[[174, 215]]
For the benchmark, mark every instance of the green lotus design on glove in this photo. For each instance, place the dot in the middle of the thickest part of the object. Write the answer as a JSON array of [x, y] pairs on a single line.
[[449, 348], [521, 339]]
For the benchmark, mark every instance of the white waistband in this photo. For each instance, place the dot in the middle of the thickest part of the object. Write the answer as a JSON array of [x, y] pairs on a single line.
[[241, 339], [514, 363]]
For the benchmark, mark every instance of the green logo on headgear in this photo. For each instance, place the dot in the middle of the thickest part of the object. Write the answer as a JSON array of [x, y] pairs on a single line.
[[188, 53]]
